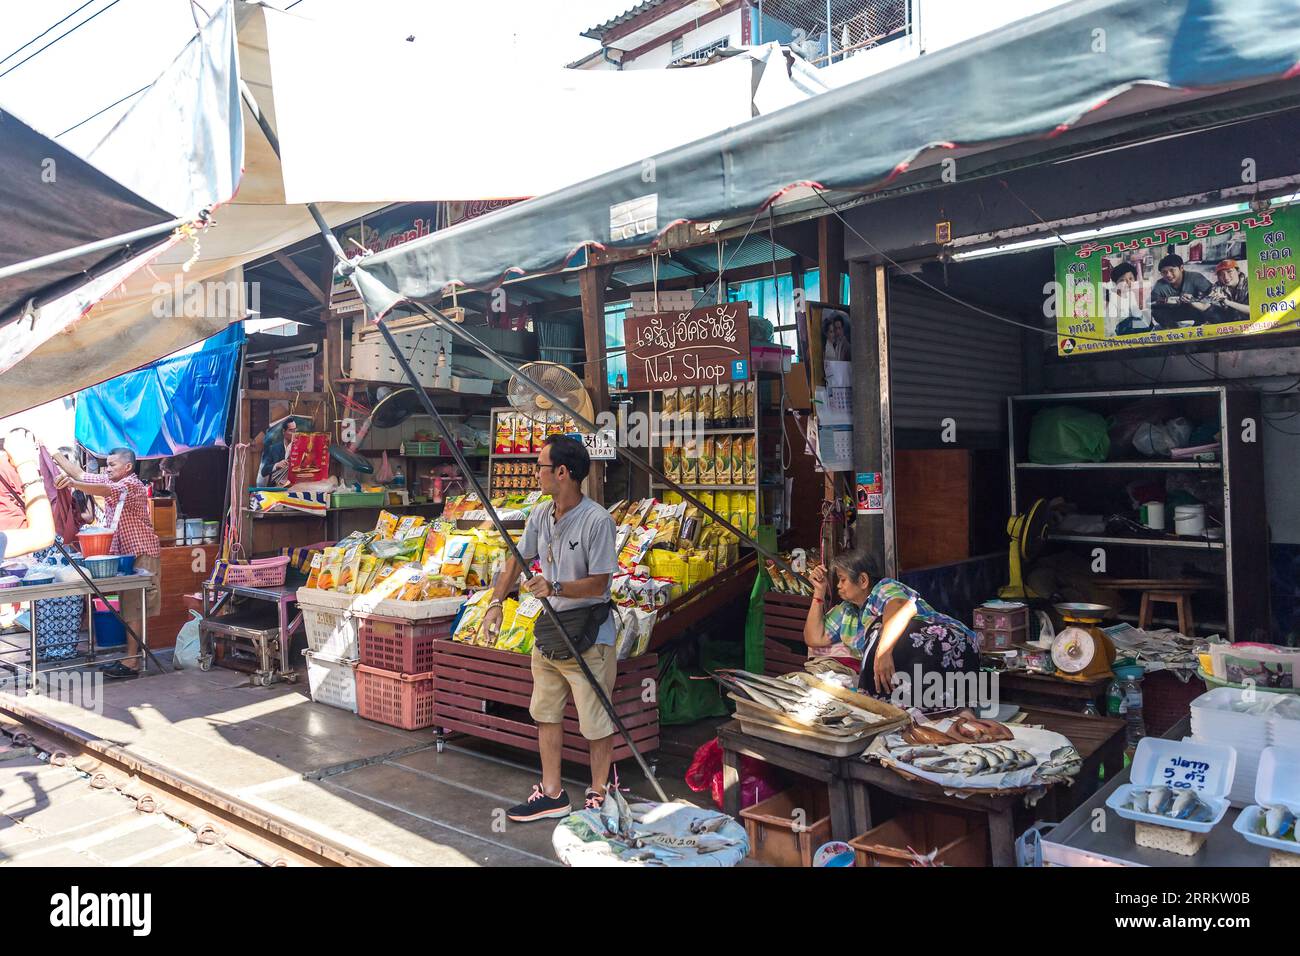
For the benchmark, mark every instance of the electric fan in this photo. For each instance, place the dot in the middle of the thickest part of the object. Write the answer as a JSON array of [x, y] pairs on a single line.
[[1028, 533], [557, 379]]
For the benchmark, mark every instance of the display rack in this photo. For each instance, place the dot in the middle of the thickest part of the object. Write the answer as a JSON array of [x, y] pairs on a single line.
[[762, 418], [1240, 558]]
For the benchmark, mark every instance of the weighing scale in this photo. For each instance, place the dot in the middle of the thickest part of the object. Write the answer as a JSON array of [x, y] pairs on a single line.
[[1083, 651]]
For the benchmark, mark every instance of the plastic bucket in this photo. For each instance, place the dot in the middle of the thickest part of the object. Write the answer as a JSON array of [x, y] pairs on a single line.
[[109, 631], [94, 543], [126, 564], [1189, 519]]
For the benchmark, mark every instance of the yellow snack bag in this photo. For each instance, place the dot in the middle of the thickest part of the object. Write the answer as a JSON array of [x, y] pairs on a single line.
[[539, 436], [723, 467], [708, 462], [751, 460], [686, 402], [505, 444], [670, 401], [704, 406], [523, 435], [673, 462], [690, 463], [737, 413], [387, 524], [739, 475], [722, 406], [751, 402], [314, 574]]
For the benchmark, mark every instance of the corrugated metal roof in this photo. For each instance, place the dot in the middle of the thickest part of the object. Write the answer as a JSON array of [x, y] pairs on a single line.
[[598, 32]]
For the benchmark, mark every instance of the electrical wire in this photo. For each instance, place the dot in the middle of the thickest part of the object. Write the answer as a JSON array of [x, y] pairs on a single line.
[[46, 30], [61, 36], [104, 110]]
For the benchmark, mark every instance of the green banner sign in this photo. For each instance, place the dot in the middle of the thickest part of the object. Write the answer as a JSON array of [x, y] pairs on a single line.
[[1199, 280]]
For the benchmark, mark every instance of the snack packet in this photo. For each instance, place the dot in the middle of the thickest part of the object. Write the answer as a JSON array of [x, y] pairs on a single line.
[[686, 402], [737, 413], [313, 574], [523, 435], [708, 462], [704, 406], [738, 472], [671, 402], [722, 406], [690, 463], [751, 402], [457, 557], [751, 460], [386, 526], [505, 441], [673, 462], [723, 467]]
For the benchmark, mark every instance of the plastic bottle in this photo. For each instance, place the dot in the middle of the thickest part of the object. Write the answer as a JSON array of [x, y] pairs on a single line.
[[1132, 710], [1114, 698], [399, 479]]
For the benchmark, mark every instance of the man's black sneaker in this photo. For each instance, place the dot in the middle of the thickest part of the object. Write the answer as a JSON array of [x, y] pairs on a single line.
[[540, 807]]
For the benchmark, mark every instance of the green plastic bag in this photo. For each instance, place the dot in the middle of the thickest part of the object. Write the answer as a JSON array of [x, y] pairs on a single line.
[[684, 699], [754, 654], [1063, 434]]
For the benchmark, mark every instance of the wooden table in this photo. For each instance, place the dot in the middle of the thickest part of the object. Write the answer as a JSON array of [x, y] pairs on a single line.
[[1029, 690], [1099, 740], [829, 770]]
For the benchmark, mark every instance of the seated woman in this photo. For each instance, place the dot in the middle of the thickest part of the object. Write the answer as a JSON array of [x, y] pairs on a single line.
[[888, 626]]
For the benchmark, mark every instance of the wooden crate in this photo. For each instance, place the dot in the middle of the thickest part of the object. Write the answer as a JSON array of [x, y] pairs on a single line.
[[787, 828], [468, 681]]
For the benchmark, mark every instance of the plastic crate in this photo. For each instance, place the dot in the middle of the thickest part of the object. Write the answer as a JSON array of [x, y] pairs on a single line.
[[404, 701], [358, 499], [330, 631], [332, 681], [396, 644]]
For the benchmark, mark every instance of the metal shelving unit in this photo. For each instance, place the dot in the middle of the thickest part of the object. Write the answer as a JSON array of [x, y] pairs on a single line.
[[1241, 556]]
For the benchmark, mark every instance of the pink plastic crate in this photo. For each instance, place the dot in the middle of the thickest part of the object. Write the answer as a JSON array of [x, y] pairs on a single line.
[[400, 645], [399, 700]]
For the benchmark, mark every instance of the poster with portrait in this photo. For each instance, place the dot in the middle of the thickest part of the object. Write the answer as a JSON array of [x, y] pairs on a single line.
[[1199, 280], [825, 340]]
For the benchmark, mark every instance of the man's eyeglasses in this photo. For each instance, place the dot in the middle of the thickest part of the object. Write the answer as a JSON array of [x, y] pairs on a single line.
[[539, 466]]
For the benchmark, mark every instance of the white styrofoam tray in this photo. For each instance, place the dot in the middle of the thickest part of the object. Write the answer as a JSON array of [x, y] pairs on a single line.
[[1159, 761], [1276, 784]]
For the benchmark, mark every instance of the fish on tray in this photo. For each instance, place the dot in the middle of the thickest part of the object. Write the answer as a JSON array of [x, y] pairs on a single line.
[[1276, 822], [799, 701], [1163, 801]]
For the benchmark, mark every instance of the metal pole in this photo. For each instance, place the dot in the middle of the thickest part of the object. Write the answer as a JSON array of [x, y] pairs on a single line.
[[461, 462], [125, 239]]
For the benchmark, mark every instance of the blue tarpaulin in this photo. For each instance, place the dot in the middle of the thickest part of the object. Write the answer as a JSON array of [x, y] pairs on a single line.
[[174, 405]]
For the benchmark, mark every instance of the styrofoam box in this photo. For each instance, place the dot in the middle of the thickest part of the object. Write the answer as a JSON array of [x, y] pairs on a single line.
[[370, 604], [1212, 713], [1276, 784], [1154, 755], [332, 681], [374, 362]]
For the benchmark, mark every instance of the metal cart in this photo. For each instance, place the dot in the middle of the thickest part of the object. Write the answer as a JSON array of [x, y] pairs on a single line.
[[253, 639]]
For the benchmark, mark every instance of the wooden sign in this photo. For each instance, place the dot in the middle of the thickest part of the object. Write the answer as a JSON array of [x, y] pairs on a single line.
[[700, 347]]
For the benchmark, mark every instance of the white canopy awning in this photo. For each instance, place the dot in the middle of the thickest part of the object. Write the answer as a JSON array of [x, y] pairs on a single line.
[[451, 129]]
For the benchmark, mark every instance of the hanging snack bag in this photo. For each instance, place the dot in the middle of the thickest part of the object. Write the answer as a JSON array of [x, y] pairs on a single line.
[[723, 468], [751, 403], [523, 444], [738, 404], [538, 430], [671, 402], [722, 406], [690, 463], [739, 475], [704, 406], [505, 443], [673, 462], [686, 404], [313, 575], [751, 460], [708, 462]]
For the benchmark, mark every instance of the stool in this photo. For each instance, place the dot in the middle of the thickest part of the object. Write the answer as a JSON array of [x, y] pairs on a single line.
[[1180, 599]]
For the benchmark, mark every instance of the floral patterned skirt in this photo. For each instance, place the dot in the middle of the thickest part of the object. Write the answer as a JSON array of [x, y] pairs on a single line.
[[927, 647]]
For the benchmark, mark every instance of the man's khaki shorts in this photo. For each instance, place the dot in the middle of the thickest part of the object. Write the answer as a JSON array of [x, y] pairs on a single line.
[[152, 596], [552, 681]]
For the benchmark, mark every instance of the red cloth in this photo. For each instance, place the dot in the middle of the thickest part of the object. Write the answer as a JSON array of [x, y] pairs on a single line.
[[134, 533], [66, 522], [12, 513]]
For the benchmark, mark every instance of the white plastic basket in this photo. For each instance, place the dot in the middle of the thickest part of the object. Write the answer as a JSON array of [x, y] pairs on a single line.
[[330, 631], [332, 682], [370, 604]]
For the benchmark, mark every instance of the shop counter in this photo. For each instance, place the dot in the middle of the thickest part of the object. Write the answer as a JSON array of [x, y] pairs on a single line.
[[1076, 842]]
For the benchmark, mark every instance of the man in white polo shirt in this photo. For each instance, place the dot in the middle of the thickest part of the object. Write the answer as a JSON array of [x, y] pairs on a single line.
[[573, 537]]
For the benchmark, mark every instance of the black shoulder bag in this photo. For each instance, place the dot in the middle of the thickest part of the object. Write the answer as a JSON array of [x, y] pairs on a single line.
[[583, 625]]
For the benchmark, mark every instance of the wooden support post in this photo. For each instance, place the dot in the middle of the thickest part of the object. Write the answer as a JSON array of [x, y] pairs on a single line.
[[872, 424], [592, 282], [830, 258]]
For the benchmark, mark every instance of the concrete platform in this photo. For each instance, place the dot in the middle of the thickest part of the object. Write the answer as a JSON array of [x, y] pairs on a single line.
[[373, 794]]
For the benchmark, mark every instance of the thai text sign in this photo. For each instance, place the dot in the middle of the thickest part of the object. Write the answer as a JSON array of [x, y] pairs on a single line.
[[1195, 281], [699, 347]]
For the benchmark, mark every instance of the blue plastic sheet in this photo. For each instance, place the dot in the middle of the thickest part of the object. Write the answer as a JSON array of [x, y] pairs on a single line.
[[174, 405]]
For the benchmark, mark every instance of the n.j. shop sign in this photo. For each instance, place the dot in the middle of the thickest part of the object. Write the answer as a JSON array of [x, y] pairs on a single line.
[[699, 347]]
